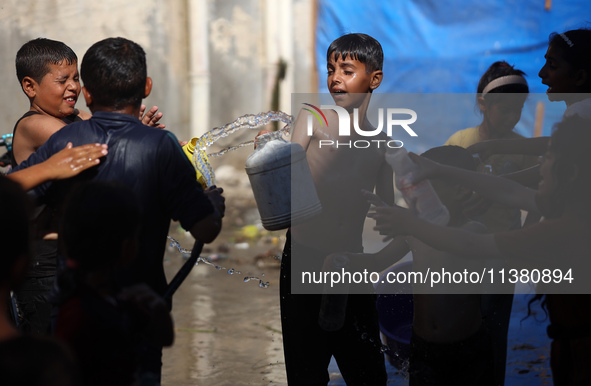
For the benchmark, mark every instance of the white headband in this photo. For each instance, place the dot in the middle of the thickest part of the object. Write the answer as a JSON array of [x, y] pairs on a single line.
[[503, 81], [567, 40]]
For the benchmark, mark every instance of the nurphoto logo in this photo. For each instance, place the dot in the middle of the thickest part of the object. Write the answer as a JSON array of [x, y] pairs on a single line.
[[394, 117]]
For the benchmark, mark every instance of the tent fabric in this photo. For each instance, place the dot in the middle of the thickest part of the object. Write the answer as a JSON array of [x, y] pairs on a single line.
[[445, 46]]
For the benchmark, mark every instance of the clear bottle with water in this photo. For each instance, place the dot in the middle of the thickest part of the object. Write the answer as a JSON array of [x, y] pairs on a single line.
[[420, 197]]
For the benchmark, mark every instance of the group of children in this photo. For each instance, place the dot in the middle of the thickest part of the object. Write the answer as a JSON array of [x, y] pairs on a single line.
[[458, 339], [106, 305], [109, 301]]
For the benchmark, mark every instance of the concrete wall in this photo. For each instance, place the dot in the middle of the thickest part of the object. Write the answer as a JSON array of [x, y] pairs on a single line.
[[211, 61], [155, 24]]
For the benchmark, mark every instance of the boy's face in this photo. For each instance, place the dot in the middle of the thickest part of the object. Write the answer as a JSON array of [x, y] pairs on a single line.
[[347, 76], [58, 91]]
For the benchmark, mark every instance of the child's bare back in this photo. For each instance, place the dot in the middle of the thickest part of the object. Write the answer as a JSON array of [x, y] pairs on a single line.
[[441, 317]]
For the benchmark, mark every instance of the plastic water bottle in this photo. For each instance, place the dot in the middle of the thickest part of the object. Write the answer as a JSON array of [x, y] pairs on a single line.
[[333, 306], [420, 197]]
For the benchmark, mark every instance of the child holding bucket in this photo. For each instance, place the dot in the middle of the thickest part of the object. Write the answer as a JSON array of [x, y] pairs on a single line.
[[354, 64]]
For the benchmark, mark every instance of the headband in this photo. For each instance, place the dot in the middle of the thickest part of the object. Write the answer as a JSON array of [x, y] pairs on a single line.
[[503, 81], [567, 40]]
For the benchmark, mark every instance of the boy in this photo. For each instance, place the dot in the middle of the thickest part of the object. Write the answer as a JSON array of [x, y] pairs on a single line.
[[449, 343], [146, 159], [24, 359], [100, 321], [47, 71], [354, 64]]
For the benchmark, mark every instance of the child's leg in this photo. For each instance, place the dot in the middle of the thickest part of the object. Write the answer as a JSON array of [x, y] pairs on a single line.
[[305, 345], [357, 346]]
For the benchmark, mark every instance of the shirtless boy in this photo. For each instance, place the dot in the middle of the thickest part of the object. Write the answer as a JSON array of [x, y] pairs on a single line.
[[354, 64]]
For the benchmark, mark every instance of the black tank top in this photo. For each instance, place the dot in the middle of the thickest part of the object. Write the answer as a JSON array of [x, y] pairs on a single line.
[[67, 120], [43, 263]]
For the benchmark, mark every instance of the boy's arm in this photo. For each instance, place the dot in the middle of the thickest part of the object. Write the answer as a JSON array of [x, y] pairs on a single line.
[[527, 146], [299, 133], [395, 221], [67, 163], [501, 190], [527, 177], [385, 183]]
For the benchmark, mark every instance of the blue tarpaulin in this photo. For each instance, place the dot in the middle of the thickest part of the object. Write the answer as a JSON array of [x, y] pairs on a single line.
[[445, 46]]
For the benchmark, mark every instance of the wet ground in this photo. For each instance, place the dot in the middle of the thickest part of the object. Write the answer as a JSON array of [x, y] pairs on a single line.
[[228, 331]]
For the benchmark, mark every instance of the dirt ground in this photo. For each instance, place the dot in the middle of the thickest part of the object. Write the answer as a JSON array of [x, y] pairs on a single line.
[[228, 331]]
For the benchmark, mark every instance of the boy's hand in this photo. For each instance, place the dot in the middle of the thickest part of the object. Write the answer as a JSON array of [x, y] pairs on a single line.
[[71, 161], [392, 221], [262, 132], [151, 118], [373, 199], [426, 168], [215, 196]]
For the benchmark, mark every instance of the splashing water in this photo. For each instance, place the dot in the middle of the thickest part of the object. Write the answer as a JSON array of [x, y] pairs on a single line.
[[202, 165], [384, 349], [249, 121], [262, 284], [175, 244]]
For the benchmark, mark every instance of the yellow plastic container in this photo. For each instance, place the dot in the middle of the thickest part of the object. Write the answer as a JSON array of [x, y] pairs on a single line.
[[198, 158]]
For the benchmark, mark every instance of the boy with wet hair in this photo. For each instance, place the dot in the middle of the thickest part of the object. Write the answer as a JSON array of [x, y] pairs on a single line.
[[360, 47], [47, 71], [148, 160], [354, 65]]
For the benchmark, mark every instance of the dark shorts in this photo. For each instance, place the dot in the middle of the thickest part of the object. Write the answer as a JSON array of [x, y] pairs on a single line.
[[308, 349], [468, 362], [32, 298]]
